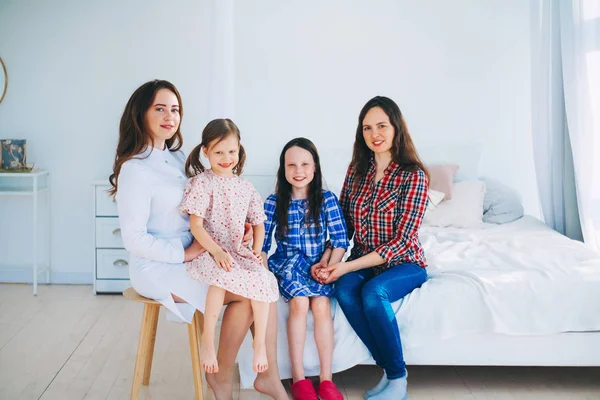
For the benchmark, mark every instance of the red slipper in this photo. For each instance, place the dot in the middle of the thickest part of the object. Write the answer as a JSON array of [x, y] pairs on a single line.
[[328, 391], [304, 390]]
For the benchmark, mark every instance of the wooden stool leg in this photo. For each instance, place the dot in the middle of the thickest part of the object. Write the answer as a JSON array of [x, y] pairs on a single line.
[[141, 351], [195, 352], [151, 341]]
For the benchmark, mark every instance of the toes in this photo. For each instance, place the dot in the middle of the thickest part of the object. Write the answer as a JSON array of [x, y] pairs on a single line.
[[210, 368], [263, 367]]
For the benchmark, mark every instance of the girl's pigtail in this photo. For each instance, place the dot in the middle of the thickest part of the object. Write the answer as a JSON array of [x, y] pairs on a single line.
[[193, 165], [239, 168]]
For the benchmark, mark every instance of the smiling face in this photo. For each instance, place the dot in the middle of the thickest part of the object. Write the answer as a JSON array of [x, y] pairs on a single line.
[[377, 130], [299, 168], [163, 118], [223, 156]]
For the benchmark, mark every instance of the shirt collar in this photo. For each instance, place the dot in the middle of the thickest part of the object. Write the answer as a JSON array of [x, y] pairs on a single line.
[[392, 166], [153, 152]]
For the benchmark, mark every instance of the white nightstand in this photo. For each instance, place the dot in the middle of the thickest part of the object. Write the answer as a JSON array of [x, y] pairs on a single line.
[[32, 184], [111, 260]]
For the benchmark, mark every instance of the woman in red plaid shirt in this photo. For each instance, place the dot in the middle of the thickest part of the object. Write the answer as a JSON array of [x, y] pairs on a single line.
[[383, 199]]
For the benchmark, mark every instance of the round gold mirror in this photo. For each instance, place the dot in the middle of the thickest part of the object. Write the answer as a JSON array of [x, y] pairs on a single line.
[[3, 80]]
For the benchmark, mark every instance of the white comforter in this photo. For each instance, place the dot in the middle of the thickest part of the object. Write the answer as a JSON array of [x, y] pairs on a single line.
[[521, 278]]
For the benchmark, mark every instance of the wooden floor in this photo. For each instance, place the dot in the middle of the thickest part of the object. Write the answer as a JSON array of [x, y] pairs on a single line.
[[67, 343]]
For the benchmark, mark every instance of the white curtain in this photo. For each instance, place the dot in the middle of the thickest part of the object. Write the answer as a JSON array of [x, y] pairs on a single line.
[[566, 114], [222, 59], [580, 44], [552, 150]]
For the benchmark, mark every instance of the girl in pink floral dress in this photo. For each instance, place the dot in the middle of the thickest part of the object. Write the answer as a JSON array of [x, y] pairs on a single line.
[[219, 202]]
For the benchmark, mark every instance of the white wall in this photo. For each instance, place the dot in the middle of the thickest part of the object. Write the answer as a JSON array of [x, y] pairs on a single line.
[[460, 74], [459, 70], [72, 66]]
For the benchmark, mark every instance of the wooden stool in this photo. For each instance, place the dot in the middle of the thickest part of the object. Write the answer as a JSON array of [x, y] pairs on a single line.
[[145, 350]]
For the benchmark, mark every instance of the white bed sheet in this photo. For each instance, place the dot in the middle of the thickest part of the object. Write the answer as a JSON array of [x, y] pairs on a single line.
[[520, 278]]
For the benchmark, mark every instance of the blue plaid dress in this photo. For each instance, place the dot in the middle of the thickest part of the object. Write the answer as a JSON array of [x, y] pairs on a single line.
[[303, 246]]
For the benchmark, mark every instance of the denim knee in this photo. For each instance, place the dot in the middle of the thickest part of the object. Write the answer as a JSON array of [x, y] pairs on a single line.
[[344, 294], [373, 296], [345, 297]]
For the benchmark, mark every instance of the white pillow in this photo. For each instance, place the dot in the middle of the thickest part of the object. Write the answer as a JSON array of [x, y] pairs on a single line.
[[435, 198], [464, 210]]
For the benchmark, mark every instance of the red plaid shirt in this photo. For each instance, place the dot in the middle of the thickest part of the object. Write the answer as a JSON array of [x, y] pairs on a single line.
[[385, 216]]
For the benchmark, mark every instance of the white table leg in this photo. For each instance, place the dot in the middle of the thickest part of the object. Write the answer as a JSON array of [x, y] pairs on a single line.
[[35, 249]]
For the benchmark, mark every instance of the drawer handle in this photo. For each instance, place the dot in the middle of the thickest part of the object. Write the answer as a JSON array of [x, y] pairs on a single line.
[[117, 231], [120, 263]]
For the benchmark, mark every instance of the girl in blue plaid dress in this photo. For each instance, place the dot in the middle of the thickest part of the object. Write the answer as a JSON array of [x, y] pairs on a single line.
[[302, 215]]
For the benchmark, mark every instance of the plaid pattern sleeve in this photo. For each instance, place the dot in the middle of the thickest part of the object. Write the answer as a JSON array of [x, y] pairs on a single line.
[[336, 226], [345, 201], [410, 209], [270, 222], [387, 214]]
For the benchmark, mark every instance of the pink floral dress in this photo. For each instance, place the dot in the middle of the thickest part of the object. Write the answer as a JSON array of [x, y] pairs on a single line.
[[225, 203]]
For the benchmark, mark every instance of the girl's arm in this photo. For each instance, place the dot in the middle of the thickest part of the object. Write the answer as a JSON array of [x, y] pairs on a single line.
[[222, 258], [337, 255], [326, 255], [336, 227], [270, 223], [338, 235], [258, 239], [264, 257], [193, 251]]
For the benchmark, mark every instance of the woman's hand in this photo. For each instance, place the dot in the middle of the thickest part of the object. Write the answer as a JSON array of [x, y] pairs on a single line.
[[193, 251], [316, 271], [264, 259], [247, 234], [334, 272], [257, 254], [223, 260]]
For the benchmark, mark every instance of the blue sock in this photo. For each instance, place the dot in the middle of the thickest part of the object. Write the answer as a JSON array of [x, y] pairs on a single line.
[[379, 387], [395, 389]]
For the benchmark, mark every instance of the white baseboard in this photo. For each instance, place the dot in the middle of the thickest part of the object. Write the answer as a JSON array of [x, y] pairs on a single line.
[[25, 275]]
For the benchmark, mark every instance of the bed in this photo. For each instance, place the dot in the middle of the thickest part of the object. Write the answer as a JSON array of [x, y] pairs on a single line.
[[512, 294]]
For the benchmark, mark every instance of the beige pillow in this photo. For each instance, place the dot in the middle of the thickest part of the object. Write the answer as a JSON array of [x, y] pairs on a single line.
[[441, 178]]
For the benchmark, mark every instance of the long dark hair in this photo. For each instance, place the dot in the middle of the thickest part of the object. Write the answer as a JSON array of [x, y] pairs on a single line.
[[219, 130], [283, 189], [403, 149], [133, 133]]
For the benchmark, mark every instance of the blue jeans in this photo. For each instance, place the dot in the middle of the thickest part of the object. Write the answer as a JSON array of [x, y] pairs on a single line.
[[366, 301]]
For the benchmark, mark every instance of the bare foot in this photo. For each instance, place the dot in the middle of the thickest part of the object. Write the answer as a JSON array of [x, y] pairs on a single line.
[[270, 386], [208, 356], [259, 361], [222, 388]]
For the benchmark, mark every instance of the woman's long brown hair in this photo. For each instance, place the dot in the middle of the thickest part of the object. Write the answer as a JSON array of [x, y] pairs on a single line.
[[219, 130], [283, 189], [403, 149], [134, 136]]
